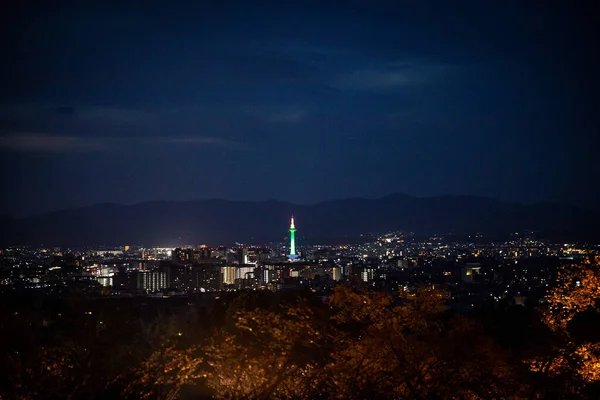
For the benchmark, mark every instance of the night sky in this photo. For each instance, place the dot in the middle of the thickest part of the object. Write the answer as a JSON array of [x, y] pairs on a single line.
[[297, 101]]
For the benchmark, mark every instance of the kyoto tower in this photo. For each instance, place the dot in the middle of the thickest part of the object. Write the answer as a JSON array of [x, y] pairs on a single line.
[[293, 254]]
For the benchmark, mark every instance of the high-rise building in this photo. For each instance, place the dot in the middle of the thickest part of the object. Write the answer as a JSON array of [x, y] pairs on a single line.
[[152, 281], [192, 256], [197, 278], [244, 272], [228, 275], [242, 256], [293, 254]]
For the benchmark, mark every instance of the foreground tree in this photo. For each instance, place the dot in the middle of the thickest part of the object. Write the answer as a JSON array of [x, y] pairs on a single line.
[[269, 355], [166, 372], [364, 344], [411, 348], [361, 345], [574, 357]]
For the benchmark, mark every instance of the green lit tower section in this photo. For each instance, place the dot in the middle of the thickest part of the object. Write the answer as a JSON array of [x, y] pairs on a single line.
[[292, 240]]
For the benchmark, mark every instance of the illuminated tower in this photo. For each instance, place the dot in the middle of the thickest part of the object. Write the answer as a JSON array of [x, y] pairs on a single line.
[[292, 240]]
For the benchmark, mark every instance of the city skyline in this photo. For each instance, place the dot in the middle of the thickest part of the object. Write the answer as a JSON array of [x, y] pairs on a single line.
[[300, 200]]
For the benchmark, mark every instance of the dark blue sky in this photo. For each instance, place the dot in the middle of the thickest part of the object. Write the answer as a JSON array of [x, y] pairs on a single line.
[[299, 101]]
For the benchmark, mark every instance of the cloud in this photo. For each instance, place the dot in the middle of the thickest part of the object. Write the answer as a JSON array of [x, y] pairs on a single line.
[[93, 114], [198, 140], [34, 142], [376, 79], [71, 121], [303, 50], [294, 116], [113, 116], [31, 142], [392, 75]]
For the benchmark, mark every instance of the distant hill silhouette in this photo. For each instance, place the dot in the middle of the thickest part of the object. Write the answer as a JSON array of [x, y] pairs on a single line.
[[222, 222]]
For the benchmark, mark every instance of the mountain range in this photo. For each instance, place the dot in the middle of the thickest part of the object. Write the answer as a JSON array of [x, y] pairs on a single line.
[[218, 221]]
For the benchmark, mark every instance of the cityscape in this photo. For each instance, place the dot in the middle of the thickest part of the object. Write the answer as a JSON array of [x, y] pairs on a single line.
[[297, 200], [475, 272], [95, 295]]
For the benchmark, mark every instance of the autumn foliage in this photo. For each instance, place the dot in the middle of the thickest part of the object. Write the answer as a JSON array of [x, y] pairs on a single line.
[[355, 344], [572, 356], [363, 345]]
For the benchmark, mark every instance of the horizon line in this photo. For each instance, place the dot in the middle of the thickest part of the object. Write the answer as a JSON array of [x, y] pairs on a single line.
[[392, 194]]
